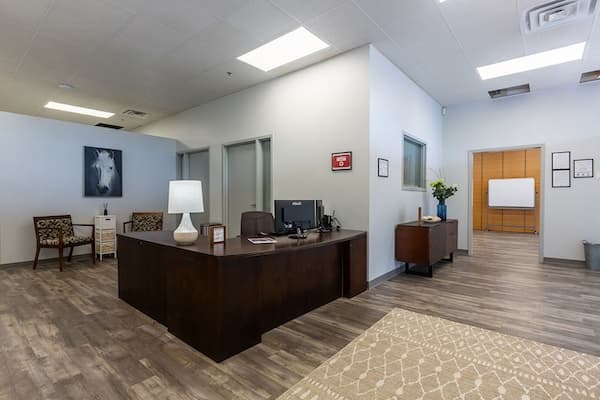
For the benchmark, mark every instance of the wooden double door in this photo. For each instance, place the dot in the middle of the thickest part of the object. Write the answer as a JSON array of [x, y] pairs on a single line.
[[524, 163]]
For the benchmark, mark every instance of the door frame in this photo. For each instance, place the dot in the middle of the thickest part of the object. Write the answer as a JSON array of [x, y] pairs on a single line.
[[542, 191], [258, 171]]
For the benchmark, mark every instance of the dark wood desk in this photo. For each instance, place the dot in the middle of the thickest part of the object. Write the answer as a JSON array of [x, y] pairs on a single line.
[[221, 299], [425, 244]]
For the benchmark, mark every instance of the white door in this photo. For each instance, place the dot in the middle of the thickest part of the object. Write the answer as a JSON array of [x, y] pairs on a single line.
[[241, 184]]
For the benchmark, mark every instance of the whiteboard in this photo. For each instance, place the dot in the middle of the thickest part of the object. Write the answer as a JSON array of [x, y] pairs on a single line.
[[511, 193]]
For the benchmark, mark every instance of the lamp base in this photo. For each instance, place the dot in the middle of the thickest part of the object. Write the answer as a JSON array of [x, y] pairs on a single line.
[[185, 234]]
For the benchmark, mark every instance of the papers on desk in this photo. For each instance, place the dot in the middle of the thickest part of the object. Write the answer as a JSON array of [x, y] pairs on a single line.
[[262, 240]]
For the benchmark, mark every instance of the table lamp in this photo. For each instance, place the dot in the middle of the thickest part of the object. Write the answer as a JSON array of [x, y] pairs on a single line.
[[185, 197]]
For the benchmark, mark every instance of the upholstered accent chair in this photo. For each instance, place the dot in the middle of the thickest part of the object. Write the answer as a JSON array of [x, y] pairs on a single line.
[[255, 222], [144, 222], [56, 232]]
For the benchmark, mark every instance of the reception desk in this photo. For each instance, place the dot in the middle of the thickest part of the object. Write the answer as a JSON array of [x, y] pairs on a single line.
[[221, 299]]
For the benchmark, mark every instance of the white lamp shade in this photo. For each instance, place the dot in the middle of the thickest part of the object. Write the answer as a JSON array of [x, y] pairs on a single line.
[[185, 197]]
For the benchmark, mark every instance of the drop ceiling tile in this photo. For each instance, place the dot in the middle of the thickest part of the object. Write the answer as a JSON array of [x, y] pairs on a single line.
[[492, 35], [345, 27], [146, 39], [192, 15], [591, 61], [15, 40], [306, 10], [262, 20], [26, 13], [213, 46], [558, 37], [90, 22], [52, 60]]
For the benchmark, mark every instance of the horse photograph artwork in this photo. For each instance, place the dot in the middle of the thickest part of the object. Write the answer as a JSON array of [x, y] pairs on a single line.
[[103, 174]]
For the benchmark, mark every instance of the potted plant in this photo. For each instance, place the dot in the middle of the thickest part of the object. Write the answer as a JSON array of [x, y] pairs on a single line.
[[441, 192]]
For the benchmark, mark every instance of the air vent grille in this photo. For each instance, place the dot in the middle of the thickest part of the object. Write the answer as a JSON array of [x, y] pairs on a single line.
[[558, 12], [590, 76], [511, 91], [103, 125], [135, 114]]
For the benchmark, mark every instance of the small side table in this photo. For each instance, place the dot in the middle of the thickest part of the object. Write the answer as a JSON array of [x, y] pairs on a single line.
[[106, 235]]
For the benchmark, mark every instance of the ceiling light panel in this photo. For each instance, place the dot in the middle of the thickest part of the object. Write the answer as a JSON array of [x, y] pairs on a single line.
[[78, 110], [283, 50], [534, 61]]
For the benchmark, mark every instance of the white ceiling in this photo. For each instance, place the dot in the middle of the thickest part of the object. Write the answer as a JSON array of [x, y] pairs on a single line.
[[163, 57]]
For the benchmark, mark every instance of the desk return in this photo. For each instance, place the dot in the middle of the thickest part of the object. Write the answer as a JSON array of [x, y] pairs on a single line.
[[221, 299]]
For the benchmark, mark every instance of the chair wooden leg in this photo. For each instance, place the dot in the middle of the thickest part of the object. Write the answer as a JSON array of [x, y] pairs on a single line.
[[60, 258], [37, 256], [70, 254], [94, 251]]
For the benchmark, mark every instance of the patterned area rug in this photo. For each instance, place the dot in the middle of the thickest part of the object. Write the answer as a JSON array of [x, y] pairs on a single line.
[[414, 356]]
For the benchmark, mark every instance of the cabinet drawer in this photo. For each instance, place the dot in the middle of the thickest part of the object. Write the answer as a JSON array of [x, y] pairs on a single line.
[[106, 222], [105, 248], [105, 234]]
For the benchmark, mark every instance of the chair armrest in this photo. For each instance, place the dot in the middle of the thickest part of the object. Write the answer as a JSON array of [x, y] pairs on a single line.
[[88, 225], [125, 224]]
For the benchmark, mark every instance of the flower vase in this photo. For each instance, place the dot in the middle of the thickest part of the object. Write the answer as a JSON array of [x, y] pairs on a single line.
[[442, 210]]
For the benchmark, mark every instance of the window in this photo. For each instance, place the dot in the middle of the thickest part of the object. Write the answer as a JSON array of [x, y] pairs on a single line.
[[414, 164]]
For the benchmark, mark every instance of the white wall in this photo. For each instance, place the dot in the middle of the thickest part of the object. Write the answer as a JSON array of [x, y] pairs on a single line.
[[397, 105], [41, 164], [309, 114], [564, 120]]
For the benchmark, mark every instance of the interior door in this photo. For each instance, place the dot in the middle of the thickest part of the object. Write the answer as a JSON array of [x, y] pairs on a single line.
[[241, 184]]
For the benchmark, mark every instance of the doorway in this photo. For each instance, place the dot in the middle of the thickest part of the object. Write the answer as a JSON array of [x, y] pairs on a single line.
[[246, 181], [500, 230], [195, 165]]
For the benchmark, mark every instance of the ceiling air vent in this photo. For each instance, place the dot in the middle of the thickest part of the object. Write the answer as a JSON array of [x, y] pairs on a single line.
[[103, 125], [590, 76], [511, 91], [558, 12], [135, 114]]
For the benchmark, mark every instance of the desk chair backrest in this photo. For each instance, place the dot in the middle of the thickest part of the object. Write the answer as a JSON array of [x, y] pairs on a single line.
[[255, 222], [146, 221]]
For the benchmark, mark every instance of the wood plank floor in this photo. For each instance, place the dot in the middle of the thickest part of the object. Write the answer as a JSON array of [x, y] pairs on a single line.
[[67, 336]]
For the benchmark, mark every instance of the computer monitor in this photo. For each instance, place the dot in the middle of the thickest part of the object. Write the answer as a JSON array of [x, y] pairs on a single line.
[[291, 214]]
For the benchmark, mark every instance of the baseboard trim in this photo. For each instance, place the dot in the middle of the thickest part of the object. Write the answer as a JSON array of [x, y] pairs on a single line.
[[385, 277], [44, 261], [563, 262], [461, 252]]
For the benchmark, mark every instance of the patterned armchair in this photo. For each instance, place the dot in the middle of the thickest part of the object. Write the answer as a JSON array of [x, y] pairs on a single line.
[[56, 232], [145, 222]]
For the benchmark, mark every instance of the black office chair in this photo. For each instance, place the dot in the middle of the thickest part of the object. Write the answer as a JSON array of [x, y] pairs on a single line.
[[255, 222]]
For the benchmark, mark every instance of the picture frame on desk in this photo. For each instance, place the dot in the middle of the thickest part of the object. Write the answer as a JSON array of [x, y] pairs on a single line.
[[217, 234]]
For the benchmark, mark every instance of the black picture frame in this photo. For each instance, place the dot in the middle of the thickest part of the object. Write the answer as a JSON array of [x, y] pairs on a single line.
[[385, 164], [102, 172], [591, 160], [554, 161], [562, 173], [561, 169]]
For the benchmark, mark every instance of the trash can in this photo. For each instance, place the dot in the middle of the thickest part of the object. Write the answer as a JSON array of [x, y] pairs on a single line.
[[592, 255]]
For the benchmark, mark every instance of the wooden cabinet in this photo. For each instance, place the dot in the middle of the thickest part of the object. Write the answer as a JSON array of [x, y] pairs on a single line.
[[425, 244], [106, 235]]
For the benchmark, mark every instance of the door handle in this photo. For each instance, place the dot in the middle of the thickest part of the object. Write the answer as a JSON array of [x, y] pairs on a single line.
[[253, 205]]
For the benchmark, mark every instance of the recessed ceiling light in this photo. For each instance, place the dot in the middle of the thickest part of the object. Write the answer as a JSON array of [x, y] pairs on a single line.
[[534, 61], [285, 49], [78, 110]]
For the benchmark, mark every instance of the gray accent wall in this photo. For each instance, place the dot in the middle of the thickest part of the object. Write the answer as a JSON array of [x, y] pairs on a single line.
[[41, 173]]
